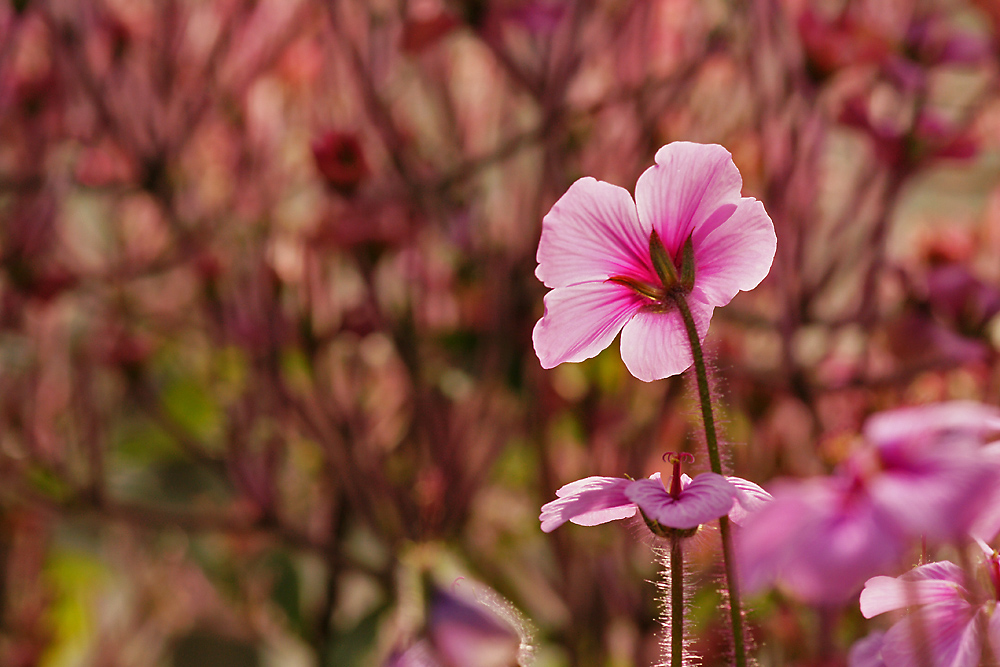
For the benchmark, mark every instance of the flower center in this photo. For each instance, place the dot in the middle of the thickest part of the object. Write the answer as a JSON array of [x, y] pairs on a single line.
[[676, 274], [675, 459]]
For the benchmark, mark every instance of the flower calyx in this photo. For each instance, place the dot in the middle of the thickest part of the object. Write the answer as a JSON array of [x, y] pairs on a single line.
[[666, 532], [687, 264], [663, 264]]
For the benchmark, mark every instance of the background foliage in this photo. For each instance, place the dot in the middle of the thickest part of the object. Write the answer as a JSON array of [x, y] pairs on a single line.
[[266, 295]]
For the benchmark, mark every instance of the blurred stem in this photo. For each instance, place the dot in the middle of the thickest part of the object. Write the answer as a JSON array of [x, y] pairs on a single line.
[[712, 441], [676, 602]]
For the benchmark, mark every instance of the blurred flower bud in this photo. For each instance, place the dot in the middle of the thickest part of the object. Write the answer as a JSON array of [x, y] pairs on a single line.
[[965, 300], [831, 45], [423, 32], [340, 161]]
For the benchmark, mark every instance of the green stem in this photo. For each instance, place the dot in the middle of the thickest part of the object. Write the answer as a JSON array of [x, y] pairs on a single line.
[[712, 441], [676, 602]]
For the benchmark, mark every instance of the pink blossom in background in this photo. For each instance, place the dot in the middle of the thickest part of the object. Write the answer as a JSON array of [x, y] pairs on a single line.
[[922, 474], [927, 466], [954, 291], [951, 622], [963, 423], [688, 504], [867, 651], [819, 540], [595, 253]]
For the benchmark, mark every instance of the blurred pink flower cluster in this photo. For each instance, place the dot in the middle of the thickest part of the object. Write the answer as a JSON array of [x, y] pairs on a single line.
[[922, 476]]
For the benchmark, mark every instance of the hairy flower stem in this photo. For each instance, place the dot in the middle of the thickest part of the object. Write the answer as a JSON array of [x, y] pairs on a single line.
[[676, 602], [712, 441]]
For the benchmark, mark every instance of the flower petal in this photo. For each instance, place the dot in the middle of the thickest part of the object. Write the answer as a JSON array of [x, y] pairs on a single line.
[[591, 234], [581, 320], [735, 256], [707, 497], [993, 633], [939, 495], [749, 498], [655, 345], [956, 423], [882, 594], [691, 188], [867, 652], [819, 539], [588, 502], [949, 632]]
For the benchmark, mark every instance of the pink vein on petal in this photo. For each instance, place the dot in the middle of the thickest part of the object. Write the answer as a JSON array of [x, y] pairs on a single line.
[[655, 345], [737, 255], [591, 234], [707, 497], [691, 188], [581, 320], [588, 502]]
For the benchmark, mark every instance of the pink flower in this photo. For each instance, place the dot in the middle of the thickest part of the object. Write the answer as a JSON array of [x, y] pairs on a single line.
[[958, 424], [950, 621], [819, 539], [686, 505], [618, 265], [924, 474]]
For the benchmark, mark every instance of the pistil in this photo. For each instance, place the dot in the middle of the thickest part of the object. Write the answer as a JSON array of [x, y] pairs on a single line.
[[675, 459]]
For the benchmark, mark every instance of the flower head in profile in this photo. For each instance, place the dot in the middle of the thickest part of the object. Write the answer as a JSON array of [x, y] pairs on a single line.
[[615, 264], [952, 617], [674, 511]]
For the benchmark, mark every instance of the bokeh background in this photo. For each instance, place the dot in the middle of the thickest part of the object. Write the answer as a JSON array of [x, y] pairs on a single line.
[[267, 292]]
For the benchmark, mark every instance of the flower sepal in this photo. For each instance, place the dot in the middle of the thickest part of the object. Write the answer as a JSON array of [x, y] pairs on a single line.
[[663, 264], [687, 264], [666, 532]]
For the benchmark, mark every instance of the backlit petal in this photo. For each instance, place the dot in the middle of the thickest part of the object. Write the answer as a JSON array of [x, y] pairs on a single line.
[[819, 539], [737, 255], [882, 594], [955, 423], [706, 498], [949, 632], [593, 233], [749, 498], [588, 502], [691, 188], [993, 633], [655, 345], [581, 320]]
